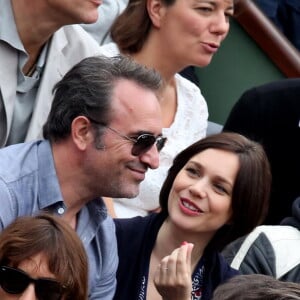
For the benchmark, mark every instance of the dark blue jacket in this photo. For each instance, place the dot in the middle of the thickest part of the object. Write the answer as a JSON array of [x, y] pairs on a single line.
[[136, 238], [286, 16], [270, 115], [289, 18]]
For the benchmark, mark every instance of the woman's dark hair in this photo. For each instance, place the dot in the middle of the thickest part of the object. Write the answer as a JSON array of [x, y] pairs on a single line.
[[251, 190], [54, 238], [131, 29]]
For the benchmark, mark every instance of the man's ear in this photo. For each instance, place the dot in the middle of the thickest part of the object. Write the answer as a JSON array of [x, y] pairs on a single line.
[[156, 10], [81, 132]]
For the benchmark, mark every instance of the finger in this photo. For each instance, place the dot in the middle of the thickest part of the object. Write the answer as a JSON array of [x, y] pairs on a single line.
[[162, 271], [190, 248], [183, 263]]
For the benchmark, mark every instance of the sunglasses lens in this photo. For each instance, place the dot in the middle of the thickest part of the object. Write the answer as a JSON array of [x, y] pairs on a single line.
[[47, 289], [143, 144], [160, 143], [12, 281]]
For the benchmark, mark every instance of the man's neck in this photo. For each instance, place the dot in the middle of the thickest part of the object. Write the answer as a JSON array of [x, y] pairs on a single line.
[[33, 27], [70, 178]]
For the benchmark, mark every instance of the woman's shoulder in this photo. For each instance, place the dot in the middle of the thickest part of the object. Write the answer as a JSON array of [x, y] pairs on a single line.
[[218, 266], [133, 232], [187, 86], [216, 271], [189, 94], [129, 226], [137, 225], [192, 111]]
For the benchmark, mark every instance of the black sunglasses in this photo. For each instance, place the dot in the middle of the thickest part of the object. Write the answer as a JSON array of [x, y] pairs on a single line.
[[142, 143], [16, 281]]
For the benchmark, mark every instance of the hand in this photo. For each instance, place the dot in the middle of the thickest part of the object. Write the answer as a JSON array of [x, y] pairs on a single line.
[[173, 276]]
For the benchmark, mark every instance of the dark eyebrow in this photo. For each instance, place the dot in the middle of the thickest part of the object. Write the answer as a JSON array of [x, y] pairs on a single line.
[[213, 3], [219, 178], [222, 179], [207, 1]]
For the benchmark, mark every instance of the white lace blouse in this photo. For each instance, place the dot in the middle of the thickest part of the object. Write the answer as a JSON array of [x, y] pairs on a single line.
[[190, 124]]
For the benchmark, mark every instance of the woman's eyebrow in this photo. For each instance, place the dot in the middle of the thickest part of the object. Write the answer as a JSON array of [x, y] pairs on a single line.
[[214, 3], [218, 177], [224, 180]]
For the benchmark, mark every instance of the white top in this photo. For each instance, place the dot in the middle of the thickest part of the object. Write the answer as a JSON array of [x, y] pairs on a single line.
[[189, 125]]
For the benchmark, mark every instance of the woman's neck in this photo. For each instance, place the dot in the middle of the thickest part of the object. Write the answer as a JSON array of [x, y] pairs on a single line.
[[168, 95], [154, 55]]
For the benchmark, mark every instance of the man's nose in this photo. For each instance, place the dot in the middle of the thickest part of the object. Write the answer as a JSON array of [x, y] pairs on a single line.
[[151, 157]]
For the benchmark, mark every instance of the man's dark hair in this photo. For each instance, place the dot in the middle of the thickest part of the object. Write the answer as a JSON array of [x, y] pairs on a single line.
[[86, 90]]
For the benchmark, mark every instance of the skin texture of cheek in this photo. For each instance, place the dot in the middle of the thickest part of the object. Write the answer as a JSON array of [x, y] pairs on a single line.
[[194, 25], [190, 33], [3, 295], [190, 25]]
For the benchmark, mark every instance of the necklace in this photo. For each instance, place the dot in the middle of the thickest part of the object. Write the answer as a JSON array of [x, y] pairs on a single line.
[[30, 72]]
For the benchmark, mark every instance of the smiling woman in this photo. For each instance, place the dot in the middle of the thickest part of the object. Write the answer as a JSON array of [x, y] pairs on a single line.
[[208, 175], [216, 190]]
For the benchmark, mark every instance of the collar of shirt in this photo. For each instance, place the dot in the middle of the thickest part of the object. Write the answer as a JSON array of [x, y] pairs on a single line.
[[49, 189], [50, 194], [8, 29], [9, 34]]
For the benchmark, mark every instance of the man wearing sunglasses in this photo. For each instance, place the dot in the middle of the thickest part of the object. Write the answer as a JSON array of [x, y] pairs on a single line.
[[102, 134]]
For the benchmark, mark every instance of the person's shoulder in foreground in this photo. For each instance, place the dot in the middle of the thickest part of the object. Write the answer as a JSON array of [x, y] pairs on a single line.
[[28, 180], [269, 250]]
